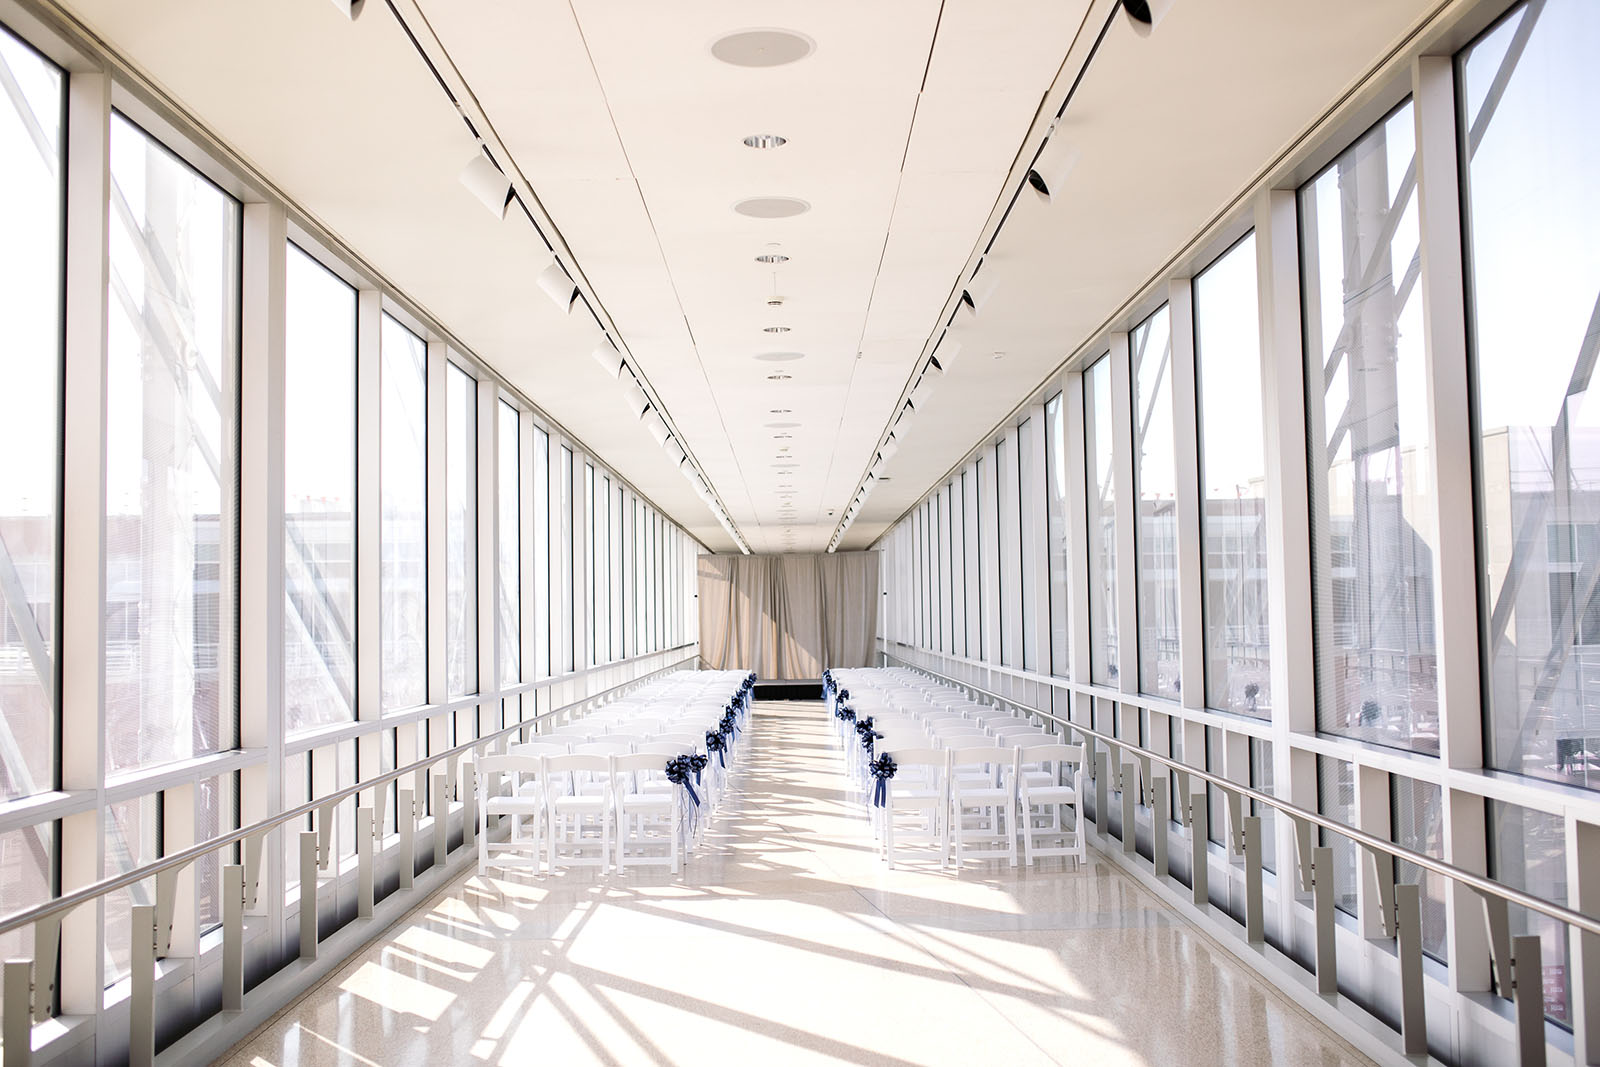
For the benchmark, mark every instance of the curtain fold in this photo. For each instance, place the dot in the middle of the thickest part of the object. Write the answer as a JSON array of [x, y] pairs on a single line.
[[788, 617]]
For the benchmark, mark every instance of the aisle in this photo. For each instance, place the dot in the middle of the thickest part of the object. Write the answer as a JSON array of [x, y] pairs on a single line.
[[786, 941]]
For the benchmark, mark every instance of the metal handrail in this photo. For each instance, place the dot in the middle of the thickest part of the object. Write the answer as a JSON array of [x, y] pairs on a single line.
[[21, 919], [1479, 883]]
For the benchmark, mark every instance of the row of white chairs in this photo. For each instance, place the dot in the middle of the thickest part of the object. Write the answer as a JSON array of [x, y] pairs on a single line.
[[597, 792], [970, 779]]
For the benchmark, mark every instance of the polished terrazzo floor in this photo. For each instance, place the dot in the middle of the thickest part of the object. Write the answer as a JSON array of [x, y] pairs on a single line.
[[787, 941]]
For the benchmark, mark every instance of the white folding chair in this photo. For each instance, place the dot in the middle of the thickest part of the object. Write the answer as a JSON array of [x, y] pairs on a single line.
[[983, 802], [578, 788], [647, 819], [523, 806], [1055, 781], [920, 786]]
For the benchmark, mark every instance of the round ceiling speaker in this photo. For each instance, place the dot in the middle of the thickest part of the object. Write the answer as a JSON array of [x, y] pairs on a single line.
[[772, 207], [762, 48]]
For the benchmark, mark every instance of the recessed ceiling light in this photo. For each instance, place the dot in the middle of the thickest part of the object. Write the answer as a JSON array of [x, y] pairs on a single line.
[[780, 377], [781, 411], [765, 140], [772, 207], [772, 257], [783, 437], [885, 478], [780, 357], [774, 329]]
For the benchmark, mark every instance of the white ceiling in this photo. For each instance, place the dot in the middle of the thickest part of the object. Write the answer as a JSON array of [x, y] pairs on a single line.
[[903, 126]]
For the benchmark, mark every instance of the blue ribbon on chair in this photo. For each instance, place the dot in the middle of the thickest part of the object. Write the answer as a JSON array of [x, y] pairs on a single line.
[[882, 769], [678, 768], [867, 734], [730, 723], [847, 714], [697, 763], [715, 743]]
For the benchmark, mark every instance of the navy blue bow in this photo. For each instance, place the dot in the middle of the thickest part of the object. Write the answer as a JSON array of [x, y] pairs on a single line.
[[678, 768], [882, 769], [715, 743], [697, 763]]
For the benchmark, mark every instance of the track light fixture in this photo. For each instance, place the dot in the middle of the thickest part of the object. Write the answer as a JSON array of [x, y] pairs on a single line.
[[979, 288], [891, 445], [656, 427], [674, 451], [610, 360], [559, 286], [1048, 175], [486, 182], [1145, 15], [350, 9], [634, 397]]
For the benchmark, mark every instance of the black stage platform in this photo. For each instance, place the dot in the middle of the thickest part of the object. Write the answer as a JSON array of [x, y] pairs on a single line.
[[803, 689]]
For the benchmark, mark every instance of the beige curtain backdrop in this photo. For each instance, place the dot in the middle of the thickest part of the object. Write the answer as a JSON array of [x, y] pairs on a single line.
[[788, 617]]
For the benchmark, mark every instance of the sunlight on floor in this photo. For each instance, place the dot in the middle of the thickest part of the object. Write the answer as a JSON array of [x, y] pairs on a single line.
[[787, 941]]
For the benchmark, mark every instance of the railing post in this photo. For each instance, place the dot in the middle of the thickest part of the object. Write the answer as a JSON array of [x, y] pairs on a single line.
[[365, 892], [1527, 991], [1161, 814], [18, 1001], [142, 986], [1130, 797], [308, 894], [325, 836], [46, 952], [1255, 930], [1102, 785], [441, 817], [1235, 821], [1322, 893], [232, 937], [1497, 917], [405, 814], [469, 802], [1413, 1005], [1199, 856]]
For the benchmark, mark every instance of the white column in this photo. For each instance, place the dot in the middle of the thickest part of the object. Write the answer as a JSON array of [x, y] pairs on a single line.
[[1455, 587], [1125, 514], [530, 628], [488, 717], [989, 554], [262, 429], [1077, 538], [438, 585], [1190, 499], [83, 577], [369, 530]]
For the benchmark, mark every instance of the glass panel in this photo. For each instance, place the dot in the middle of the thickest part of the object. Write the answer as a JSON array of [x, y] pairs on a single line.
[[591, 563], [1101, 522], [30, 417], [1262, 778], [541, 553], [133, 838], [974, 571], [1528, 850], [404, 542], [172, 359], [1416, 810], [1233, 479], [319, 497], [26, 860], [1008, 585], [1530, 89], [510, 584], [461, 533], [1156, 484], [1336, 798], [1367, 418]]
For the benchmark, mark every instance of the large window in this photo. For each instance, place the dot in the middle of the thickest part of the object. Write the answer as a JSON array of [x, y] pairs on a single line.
[[30, 425], [1101, 521], [1155, 495], [461, 533], [171, 407], [1055, 489], [1528, 850], [319, 497], [509, 587], [1529, 90], [1372, 505], [404, 537], [1233, 482]]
